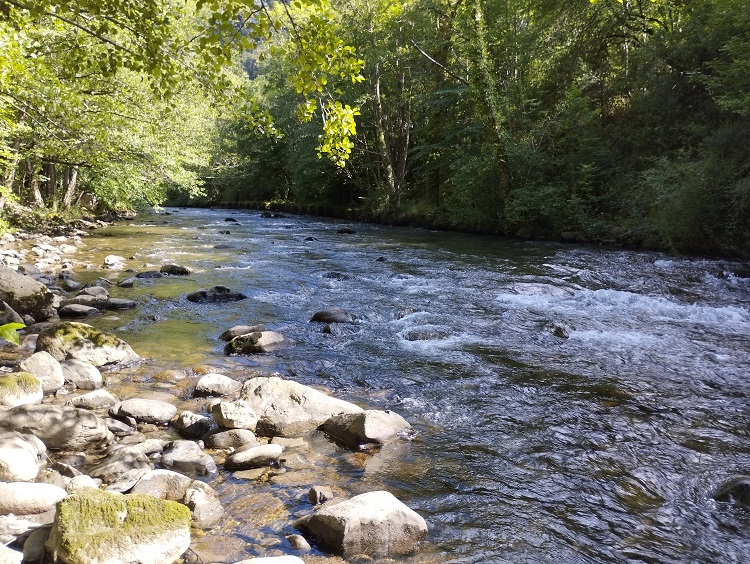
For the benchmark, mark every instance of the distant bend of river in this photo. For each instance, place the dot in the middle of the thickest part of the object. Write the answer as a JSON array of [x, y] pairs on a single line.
[[573, 404]]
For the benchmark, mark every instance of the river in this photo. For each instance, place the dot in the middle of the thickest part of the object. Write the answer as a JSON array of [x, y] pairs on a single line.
[[572, 404]]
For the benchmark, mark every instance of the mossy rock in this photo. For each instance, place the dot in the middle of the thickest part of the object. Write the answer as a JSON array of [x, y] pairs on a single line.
[[19, 388], [71, 340], [94, 526]]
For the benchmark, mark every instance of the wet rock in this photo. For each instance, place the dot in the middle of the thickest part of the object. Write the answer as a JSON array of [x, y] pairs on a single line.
[[234, 415], [127, 282], [346, 231], [735, 490], [287, 408], [216, 385], [84, 375], [19, 388], [123, 461], [256, 343], [175, 270], [191, 424], [254, 457], [426, 334], [231, 220], [21, 456], [33, 548], [46, 369], [96, 526], [95, 291], [318, 495], [334, 315], [84, 342], [226, 439], [374, 524], [238, 330], [121, 304], [91, 300], [28, 498], [149, 274], [144, 410], [77, 310], [333, 275], [217, 294], [93, 400], [187, 457], [369, 427], [71, 285], [25, 295], [298, 542]]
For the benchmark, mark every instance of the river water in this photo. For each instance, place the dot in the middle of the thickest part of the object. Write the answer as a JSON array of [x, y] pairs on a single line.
[[572, 404]]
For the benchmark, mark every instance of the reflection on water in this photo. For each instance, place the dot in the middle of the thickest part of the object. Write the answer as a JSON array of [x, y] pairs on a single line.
[[576, 405]]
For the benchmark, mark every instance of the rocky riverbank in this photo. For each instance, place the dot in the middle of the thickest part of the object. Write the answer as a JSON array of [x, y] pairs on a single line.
[[87, 475]]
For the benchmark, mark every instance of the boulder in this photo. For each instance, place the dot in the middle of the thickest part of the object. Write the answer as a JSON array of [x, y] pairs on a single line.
[[28, 498], [217, 294], [205, 507], [369, 427], [59, 428], [191, 424], [98, 301], [735, 490], [318, 495], [334, 315], [97, 291], [122, 462], [287, 408], [234, 415], [238, 330], [19, 388], [77, 310], [175, 270], [164, 484], [114, 262], [21, 456], [46, 369], [83, 374], [33, 547], [25, 295], [149, 274], [145, 410], [255, 457], [8, 314], [231, 438], [93, 400], [120, 304], [84, 342], [187, 457], [93, 526], [216, 385], [256, 343], [375, 524]]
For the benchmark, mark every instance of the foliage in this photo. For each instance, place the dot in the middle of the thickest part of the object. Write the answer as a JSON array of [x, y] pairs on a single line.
[[9, 332]]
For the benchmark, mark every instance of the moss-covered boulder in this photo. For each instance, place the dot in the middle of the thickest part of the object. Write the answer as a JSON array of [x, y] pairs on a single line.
[[25, 295], [71, 340], [94, 526], [20, 388]]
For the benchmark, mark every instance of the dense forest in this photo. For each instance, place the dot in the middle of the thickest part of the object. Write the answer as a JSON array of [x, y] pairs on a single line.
[[624, 121]]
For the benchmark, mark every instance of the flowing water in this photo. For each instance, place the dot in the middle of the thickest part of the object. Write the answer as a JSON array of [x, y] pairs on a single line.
[[572, 404]]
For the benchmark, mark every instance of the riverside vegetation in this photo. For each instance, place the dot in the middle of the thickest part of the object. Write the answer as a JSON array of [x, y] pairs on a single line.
[[594, 120]]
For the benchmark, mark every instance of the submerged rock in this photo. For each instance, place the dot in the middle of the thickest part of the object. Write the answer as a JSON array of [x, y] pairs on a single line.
[[96, 526], [238, 330], [175, 270], [735, 490], [217, 294], [374, 524]]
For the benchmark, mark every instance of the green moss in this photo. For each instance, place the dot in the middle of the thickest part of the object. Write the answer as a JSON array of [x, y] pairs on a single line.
[[71, 332], [18, 383], [93, 522]]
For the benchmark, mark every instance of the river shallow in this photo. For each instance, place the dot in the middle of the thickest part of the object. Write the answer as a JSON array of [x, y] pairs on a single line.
[[572, 404]]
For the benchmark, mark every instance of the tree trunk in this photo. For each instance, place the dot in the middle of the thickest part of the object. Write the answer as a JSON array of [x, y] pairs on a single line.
[[70, 189], [10, 175], [34, 193]]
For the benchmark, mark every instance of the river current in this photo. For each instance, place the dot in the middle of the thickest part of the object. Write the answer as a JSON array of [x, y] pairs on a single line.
[[572, 404]]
